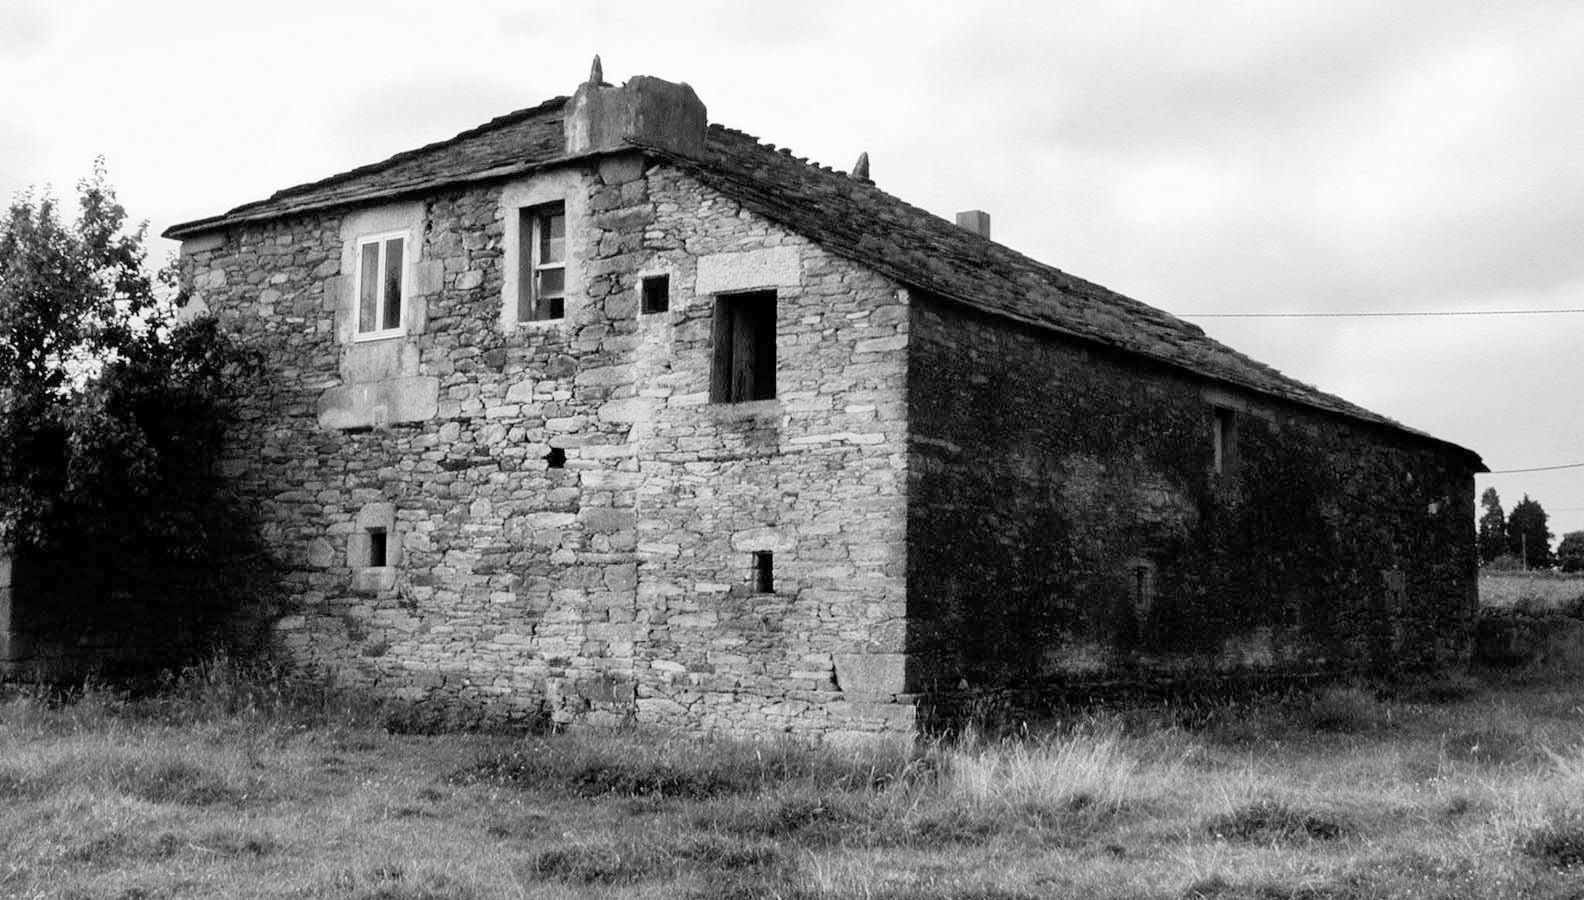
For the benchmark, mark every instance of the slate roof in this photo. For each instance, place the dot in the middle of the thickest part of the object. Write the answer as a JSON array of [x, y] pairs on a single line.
[[846, 216], [507, 145]]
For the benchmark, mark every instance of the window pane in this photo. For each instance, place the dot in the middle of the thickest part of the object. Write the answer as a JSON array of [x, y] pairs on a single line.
[[552, 282], [368, 289], [526, 281], [552, 238], [393, 297]]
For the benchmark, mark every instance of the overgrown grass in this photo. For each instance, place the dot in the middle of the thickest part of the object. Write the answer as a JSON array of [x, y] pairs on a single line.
[[1532, 591], [676, 767], [234, 783]]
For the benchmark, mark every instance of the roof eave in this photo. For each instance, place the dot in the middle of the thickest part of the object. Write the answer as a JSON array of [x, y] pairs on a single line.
[[1476, 464], [240, 215]]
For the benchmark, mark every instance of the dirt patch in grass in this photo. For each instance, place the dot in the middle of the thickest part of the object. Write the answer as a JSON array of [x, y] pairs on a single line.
[[121, 845], [1345, 710], [1273, 822], [628, 862], [179, 781], [1559, 843], [808, 820], [394, 881], [673, 769]]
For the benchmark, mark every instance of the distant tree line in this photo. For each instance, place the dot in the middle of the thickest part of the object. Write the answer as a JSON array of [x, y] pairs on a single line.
[[1521, 538]]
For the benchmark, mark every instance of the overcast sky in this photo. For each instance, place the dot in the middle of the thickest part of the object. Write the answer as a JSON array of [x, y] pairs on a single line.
[[1205, 157]]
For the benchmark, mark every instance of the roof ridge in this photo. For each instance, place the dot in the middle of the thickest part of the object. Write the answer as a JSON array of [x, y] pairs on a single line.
[[784, 151], [756, 173]]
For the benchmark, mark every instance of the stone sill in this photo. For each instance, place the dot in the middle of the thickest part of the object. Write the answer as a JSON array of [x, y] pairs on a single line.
[[747, 409], [374, 579]]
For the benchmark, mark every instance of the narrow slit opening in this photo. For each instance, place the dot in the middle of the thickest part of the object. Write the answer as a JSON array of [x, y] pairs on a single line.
[[764, 572], [377, 547]]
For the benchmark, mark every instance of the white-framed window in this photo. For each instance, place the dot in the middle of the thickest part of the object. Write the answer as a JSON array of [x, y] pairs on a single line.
[[542, 256], [381, 285]]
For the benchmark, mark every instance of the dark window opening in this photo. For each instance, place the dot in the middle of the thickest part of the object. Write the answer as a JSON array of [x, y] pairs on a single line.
[[541, 258], [656, 293], [376, 538], [745, 348], [1143, 574], [764, 572], [1225, 440], [556, 458]]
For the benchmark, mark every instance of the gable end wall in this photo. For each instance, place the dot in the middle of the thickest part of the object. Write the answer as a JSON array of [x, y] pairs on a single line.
[[618, 588]]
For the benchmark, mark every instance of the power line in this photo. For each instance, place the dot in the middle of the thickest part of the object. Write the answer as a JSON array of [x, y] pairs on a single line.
[[1577, 465], [1381, 315]]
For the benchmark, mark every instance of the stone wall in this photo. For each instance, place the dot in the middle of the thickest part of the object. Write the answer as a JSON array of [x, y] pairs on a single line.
[[1069, 528], [618, 586]]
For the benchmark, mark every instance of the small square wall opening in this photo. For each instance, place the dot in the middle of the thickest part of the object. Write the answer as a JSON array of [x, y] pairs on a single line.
[[764, 572], [555, 459], [376, 547], [656, 293]]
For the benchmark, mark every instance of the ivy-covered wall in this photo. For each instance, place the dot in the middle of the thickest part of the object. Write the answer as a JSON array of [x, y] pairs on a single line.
[[1072, 522]]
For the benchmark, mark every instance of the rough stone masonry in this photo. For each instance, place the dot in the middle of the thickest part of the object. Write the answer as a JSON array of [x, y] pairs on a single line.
[[925, 483], [615, 587]]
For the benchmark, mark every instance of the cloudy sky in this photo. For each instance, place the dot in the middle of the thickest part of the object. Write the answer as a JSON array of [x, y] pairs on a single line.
[[1306, 156]]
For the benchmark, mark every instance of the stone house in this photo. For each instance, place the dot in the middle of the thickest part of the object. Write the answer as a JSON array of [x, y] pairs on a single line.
[[602, 413]]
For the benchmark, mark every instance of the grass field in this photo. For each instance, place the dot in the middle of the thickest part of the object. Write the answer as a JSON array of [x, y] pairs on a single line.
[[1535, 591], [222, 786]]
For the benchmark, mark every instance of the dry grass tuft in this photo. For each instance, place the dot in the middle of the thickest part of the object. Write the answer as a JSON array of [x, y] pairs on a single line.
[[1346, 794], [1056, 774]]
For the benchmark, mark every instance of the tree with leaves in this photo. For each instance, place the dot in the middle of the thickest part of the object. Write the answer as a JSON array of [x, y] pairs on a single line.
[[113, 415], [1528, 538], [1492, 527], [1570, 553]]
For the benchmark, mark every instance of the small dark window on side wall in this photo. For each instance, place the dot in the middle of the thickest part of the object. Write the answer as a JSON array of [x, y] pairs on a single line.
[[1225, 441], [656, 293], [764, 572], [745, 347], [377, 555]]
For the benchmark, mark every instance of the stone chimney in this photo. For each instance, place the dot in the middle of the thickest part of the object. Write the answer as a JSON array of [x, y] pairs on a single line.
[[975, 220], [648, 111]]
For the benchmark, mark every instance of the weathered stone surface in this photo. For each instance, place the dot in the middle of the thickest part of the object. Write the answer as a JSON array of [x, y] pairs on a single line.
[[867, 675], [617, 586], [954, 502], [1068, 524], [747, 270], [377, 403]]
